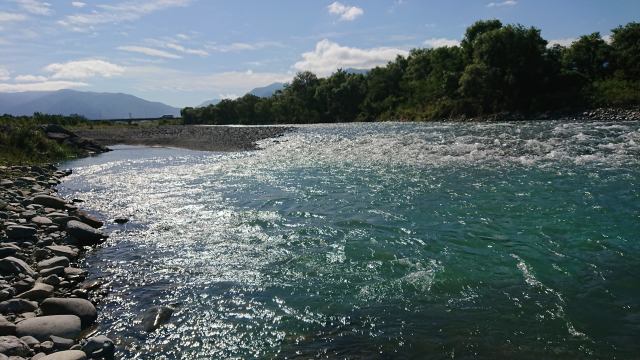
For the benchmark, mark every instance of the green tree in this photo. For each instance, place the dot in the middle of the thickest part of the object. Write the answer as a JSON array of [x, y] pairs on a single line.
[[589, 56]]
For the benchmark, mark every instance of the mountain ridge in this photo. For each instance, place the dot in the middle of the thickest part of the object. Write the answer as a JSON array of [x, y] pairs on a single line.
[[92, 105]]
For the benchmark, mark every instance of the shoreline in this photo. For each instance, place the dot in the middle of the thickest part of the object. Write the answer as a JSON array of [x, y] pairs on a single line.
[[47, 304], [204, 138]]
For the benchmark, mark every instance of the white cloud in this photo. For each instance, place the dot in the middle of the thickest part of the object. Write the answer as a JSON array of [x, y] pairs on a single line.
[[185, 50], [328, 56], [155, 78], [78, 4], [30, 78], [441, 42], [562, 42], [41, 86], [121, 12], [83, 69], [228, 96], [4, 74], [6, 17], [150, 52], [346, 12], [35, 7], [240, 46], [503, 3]]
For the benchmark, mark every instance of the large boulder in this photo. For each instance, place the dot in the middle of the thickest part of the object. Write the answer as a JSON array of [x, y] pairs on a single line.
[[39, 292], [42, 327], [83, 233], [66, 355], [12, 346], [82, 308], [11, 266], [49, 201], [17, 306], [20, 232], [155, 317]]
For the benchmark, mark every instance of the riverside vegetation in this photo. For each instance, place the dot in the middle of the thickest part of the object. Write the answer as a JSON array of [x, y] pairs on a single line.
[[497, 69], [42, 138]]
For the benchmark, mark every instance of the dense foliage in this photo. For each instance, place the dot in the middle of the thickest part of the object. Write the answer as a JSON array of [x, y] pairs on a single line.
[[23, 142], [497, 68]]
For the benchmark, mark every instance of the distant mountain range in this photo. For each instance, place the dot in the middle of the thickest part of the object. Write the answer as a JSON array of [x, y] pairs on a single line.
[[269, 90], [93, 106], [265, 91]]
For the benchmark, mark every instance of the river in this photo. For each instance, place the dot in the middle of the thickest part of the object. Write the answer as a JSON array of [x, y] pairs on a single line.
[[375, 241]]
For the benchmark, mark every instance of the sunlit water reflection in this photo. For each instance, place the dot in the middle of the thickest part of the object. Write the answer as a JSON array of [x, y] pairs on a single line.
[[376, 241]]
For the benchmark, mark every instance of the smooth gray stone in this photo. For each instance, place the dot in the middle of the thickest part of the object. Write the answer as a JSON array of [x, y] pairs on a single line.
[[30, 340], [66, 355], [24, 285], [99, 343], [6, 327], [58, 270], [17, 306], [155, 317], [20, 232], [52, 280], [82, 308], [61, 343], [11, 266], [41, 220], [12, 346], [64, 220], [49, 201], [62, 250], [39, 292], [53, 262], [90, 220], [74, 272], [83, 233], [42, 327]]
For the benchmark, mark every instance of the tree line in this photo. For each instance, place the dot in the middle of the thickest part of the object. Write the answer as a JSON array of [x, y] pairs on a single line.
[[496, 68]]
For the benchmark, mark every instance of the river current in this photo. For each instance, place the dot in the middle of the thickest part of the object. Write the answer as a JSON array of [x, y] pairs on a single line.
[[375, 241]]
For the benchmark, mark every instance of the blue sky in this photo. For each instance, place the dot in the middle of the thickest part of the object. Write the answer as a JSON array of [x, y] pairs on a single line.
[[182, 52]]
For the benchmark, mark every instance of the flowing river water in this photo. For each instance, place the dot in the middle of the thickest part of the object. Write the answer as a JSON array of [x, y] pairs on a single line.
[[376, 241]]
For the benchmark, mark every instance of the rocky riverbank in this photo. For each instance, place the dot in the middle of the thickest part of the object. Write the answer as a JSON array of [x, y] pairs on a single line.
[[207, 138], [46, 303], [597, 114]]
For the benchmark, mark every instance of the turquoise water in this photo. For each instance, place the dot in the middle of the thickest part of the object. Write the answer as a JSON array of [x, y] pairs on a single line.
[[376, 241]]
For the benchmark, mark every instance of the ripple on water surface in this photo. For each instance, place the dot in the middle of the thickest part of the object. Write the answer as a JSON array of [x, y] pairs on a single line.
[[376, 241]]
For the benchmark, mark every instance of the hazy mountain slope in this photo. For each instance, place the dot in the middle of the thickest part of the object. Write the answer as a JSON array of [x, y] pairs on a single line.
[[89, 104], [267, 91]]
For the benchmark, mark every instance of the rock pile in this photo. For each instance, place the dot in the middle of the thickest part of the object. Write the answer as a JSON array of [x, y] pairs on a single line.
[[45, 311]]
